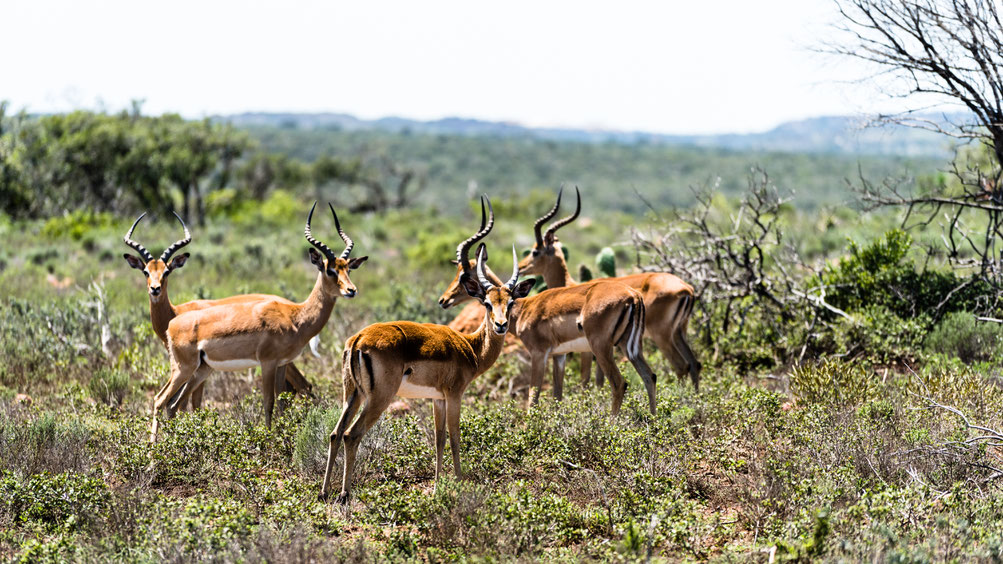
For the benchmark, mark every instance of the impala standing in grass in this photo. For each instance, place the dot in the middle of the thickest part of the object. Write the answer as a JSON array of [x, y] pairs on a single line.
[[162, 311], [269, 333]]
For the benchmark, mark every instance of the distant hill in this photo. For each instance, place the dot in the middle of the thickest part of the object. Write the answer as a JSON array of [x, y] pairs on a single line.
[[828, 135]]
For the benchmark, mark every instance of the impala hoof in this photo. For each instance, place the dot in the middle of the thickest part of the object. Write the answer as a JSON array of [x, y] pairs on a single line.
[[342, 498]]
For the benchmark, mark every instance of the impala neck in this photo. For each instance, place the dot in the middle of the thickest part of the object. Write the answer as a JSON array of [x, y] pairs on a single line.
[[161, 312], [556, 274], [315, 311], [486, 343]]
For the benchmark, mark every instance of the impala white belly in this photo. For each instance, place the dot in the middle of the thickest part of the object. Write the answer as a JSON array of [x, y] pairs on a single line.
[[232, 365], [581, 344], [414, 391]]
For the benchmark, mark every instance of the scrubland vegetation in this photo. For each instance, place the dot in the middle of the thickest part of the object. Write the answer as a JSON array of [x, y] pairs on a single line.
[[837, 453], [849, 407]]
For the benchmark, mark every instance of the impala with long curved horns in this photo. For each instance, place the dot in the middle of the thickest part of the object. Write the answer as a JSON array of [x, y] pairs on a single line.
[[593, 318], [667, 299], [162, 311], [268, 333], [420, 360]]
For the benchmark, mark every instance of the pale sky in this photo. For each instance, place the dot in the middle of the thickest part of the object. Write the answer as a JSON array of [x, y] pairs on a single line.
[[667, 67]]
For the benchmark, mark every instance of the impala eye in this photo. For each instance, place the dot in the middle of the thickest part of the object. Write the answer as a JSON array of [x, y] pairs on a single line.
[[332, 273], [147, 274], [487, 305]]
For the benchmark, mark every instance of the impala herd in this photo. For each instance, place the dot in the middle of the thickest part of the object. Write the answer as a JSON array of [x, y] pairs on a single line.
[[420, 360]]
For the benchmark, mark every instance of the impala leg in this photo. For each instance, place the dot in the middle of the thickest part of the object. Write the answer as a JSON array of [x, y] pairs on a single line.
[[268, 390], [280, 384], [297, 381], [347, 414], [374, 408], [439, 414], [586, 361], [537, 364], [559, 364], [196, 398], [182, 371], [604, 358], [644, 371], [453, 422], [679, 339]]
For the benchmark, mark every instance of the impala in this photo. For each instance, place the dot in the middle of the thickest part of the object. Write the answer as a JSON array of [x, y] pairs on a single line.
[[594, 317], [667, 299], [420, 360], [162, 311], [269, 333]]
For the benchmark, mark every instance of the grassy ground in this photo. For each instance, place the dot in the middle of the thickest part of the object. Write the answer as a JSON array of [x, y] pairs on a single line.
[[835, 461]]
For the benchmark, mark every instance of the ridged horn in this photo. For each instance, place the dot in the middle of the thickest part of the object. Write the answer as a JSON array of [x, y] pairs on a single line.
[[136, 246], [179, 243], [487, 222], [348, 240], [309, 237], [546, 217], [561, 223]]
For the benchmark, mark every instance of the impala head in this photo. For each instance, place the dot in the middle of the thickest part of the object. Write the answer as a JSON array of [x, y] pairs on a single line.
[[334, 268], [497, 300], [156, 269], [455, 293], [547, 248]]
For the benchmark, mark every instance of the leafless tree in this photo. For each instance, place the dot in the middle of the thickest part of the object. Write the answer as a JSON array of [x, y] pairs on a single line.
[[739, 263], [937, 52]]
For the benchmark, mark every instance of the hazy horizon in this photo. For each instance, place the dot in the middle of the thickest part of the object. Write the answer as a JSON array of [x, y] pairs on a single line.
[[731, 67]]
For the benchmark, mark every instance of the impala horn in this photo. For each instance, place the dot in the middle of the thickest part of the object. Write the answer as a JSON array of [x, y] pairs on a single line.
[[179, 243], [463, 249], [136, 246], [561, 223], [309, 237], [546, 217]]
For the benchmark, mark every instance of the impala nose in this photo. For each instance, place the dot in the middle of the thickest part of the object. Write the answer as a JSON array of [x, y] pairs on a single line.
[[444, 303], [350, 293], [155, 291], [501, 328]]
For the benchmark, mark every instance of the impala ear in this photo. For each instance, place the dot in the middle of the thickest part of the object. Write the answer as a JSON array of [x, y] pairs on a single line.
[[134, 261], [549, 238], [178, 261], [316, 259], [523, 288], [356, 262], [472, 286]]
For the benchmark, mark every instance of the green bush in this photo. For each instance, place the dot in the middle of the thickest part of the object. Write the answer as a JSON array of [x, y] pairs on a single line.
[[108, 386], [960, 334]]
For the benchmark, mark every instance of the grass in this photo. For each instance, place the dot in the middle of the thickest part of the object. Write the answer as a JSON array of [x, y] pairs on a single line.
[[832, 461]]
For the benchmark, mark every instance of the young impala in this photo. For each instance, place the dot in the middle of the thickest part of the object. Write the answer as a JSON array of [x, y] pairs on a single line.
[[667, 299], [162, 311], [269, 333], [420, 360]]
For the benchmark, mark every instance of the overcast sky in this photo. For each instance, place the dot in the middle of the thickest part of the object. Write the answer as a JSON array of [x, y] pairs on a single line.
[[663, 66]]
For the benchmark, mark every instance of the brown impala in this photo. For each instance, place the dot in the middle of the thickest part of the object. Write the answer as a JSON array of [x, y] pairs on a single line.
[[420, 360], [593, 318], [269, 333], [162, 311], [668, 300]]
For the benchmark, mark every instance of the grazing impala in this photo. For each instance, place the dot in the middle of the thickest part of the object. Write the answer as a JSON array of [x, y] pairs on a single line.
[[592, 317], [162, 311], [667, 299], [420, 360], [269, 333]]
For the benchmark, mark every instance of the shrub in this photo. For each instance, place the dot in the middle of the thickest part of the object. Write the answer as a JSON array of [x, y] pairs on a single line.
[[960, 334], [108, 386], [833, 383], [29, 445]]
